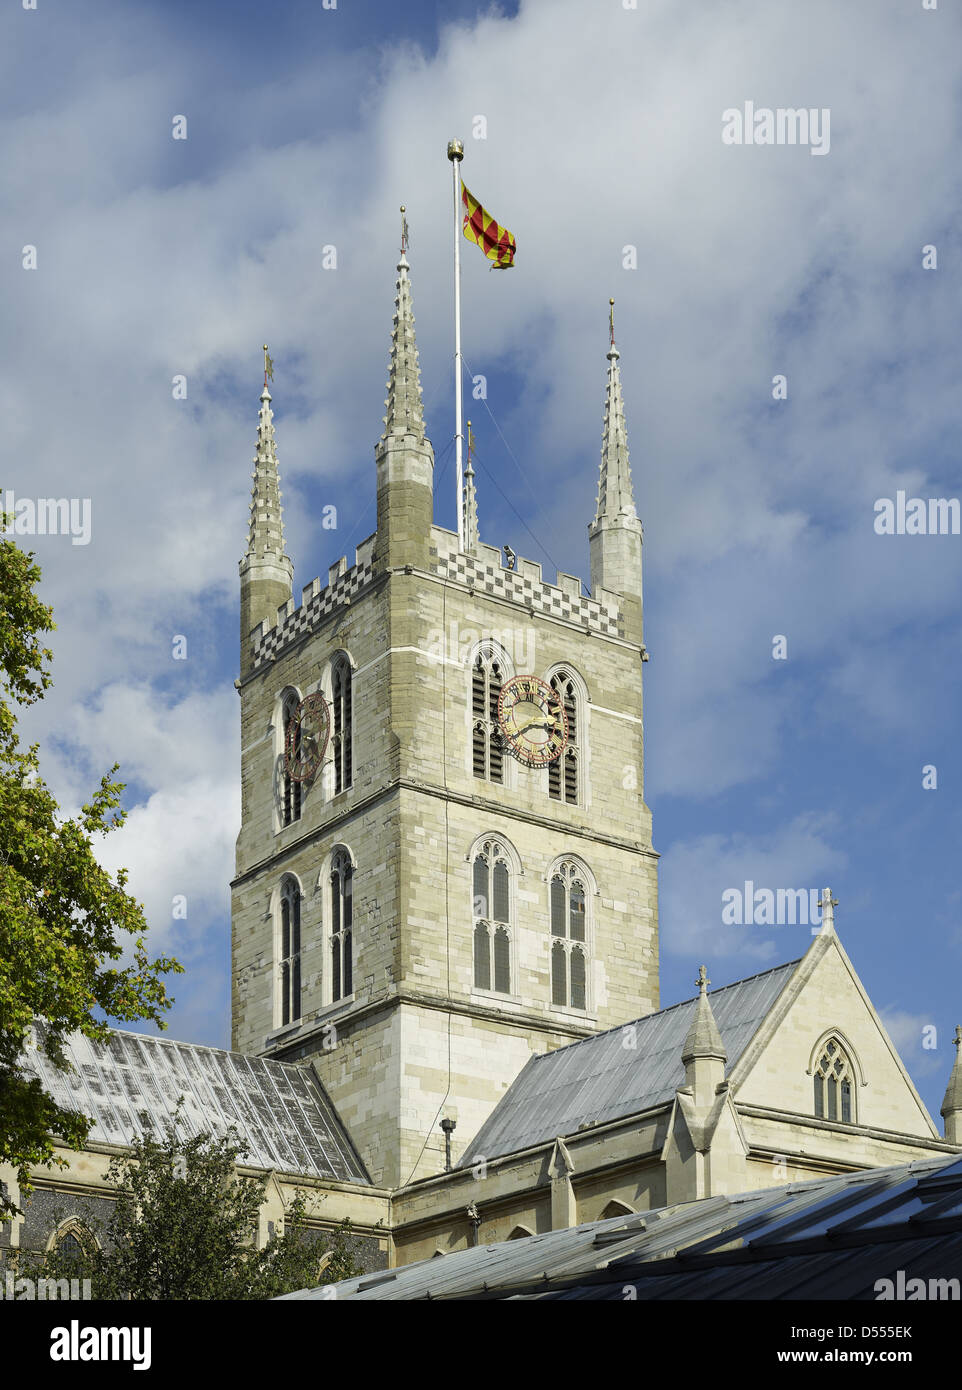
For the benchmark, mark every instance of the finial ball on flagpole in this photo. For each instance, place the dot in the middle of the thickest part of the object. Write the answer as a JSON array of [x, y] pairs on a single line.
[[455, 149]]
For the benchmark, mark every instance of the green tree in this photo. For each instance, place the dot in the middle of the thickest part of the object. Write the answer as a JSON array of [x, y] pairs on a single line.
[[184, 1226], [63, 918]]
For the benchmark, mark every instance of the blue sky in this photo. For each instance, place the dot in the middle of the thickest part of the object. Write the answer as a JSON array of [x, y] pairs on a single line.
[[308, 127]]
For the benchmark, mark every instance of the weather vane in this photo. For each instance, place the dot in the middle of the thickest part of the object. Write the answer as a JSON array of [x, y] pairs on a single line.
[[268, 365], [404, 232]]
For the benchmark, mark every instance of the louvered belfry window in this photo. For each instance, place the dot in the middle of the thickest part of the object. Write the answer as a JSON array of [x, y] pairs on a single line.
[[563, 772], [291, 790], [834, 1089], [569, 961], [487, 752], [342, 925], [290, 951], [342, 720], [491, 913]]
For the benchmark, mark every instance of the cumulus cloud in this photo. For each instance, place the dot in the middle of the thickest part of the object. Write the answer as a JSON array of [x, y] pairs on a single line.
[[695, 874], [179, 845]]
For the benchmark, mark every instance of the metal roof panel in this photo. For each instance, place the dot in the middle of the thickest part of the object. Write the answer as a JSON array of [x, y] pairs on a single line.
[[604, 1077], [130, 1087]]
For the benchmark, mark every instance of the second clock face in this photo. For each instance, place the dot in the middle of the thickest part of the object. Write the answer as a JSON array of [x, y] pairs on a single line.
[[532, 721], [306, 738]]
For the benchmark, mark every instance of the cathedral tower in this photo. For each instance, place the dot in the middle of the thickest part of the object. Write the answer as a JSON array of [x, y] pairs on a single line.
[[425, 912]]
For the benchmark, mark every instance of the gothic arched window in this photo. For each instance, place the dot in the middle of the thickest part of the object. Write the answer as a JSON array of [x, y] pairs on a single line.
[[342, 723], [487, 752], [70, 1248], [492, 918], [563, 772], [834, 1085], [569, 961], [291, 790], [73, 1241], [342, 925], [290, 951]]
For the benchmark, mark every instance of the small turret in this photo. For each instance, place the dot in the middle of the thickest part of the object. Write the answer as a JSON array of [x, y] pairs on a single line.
[[952, 1104], [703, 1053], [266, 571]]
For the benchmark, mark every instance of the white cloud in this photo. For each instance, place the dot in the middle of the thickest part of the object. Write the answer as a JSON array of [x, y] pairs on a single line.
[[179, 843], [694, 874], [157, 739]]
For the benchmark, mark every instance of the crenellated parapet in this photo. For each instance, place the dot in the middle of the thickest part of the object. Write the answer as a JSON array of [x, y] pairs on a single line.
[[524, 585], [317, 604]]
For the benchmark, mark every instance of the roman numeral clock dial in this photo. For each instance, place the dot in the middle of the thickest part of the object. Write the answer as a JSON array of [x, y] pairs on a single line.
[[306, 737], [532, 721]]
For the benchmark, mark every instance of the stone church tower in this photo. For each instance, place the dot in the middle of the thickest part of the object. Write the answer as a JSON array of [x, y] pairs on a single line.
[[426, 912]]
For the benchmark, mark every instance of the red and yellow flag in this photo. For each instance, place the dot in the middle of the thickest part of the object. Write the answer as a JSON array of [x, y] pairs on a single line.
[[495, 241]]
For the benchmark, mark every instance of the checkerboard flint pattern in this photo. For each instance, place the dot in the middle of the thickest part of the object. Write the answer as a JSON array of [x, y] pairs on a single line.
[[306, 618], [544, 598]]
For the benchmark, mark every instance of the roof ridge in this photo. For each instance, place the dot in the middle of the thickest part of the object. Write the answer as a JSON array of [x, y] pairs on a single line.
[[200, 1047], [643, 1018]]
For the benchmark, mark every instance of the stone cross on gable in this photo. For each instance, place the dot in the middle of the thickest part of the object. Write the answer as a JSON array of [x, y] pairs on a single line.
[[827, 905], [703, 981]]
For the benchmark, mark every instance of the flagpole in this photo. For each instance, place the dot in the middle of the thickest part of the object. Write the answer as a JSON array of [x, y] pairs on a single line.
[[456, 154]]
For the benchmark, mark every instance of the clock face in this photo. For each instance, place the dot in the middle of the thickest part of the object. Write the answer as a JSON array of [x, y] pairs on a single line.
[[306, 737], [532, 720]]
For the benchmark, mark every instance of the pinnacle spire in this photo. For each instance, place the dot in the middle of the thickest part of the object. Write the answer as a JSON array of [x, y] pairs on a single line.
[[704, 1039], [952, 1104], [615, 496], [265, 536], [405, 414], [470, 502]]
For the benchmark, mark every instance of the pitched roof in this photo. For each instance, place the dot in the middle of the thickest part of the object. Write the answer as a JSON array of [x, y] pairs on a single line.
[[826, 1238], [603, 1078], [130, 1088]]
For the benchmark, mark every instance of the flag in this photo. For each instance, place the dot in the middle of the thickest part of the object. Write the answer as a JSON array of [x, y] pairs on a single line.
[[495, 241]]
